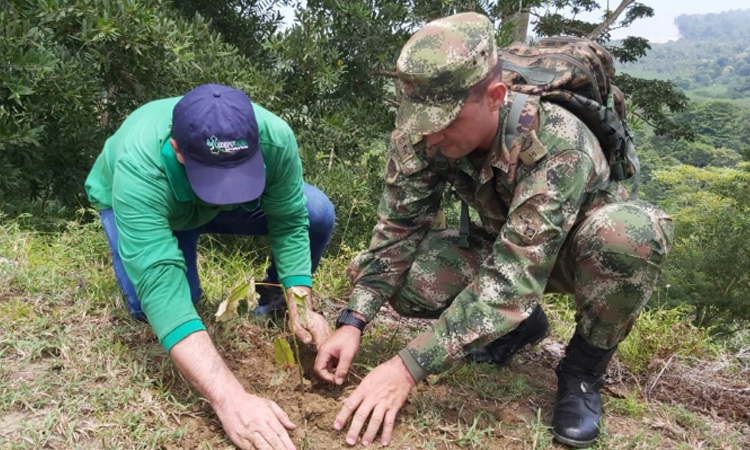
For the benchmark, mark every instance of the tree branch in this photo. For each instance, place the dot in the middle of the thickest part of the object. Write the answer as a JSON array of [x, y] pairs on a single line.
[[610, 20], [392, 102], [385, 73]]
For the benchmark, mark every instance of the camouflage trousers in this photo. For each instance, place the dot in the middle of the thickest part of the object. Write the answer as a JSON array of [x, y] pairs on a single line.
[[610, 262]]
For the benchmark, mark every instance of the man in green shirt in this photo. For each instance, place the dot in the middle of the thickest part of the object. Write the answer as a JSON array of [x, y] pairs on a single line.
[[210, 161]]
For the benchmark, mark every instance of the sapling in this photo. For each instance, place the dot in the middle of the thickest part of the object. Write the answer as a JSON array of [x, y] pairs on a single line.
[[282, 351]]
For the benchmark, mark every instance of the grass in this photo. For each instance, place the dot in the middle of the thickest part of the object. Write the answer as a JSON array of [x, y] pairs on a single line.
[[77, 372]]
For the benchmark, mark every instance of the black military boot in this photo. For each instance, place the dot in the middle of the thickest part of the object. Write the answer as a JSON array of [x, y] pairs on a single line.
[[580, 375], [501, 350], [271, 301]]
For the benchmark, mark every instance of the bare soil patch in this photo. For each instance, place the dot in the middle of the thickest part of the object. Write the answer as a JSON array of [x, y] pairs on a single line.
[[501, 420]]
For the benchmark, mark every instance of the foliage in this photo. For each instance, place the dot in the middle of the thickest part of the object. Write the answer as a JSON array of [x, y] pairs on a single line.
[[77, 372], [720, 124], [722, 132], [246, 292], [654, 100], [246, 24], [727, 26], [652, 339], [76, 68], [709, 265], [242, 292], [711, 58]]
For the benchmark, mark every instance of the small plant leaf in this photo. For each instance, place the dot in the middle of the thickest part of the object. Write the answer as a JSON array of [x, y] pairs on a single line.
[[283, 353], [226, 311], [252, 294], [239, 292], [228, 308], [300, 299]]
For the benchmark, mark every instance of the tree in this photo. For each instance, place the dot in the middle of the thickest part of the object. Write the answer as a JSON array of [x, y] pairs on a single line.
[[246, 24], [709, 265], [76, 68]]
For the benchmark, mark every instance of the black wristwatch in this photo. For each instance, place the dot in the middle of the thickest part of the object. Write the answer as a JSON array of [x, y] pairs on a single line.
[[347, 318]]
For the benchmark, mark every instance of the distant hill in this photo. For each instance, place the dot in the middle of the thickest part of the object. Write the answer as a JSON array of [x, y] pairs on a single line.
[[727, 26], [711, 58]]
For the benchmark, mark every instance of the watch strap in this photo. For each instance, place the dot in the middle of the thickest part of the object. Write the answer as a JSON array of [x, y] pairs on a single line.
[[347, 318]]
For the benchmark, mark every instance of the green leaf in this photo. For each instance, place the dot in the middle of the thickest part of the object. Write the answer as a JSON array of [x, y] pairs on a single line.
[[239, 292], [282, 352], [228, 308]]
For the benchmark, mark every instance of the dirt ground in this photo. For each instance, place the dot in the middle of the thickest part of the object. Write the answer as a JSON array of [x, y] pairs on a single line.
[[431, 419]]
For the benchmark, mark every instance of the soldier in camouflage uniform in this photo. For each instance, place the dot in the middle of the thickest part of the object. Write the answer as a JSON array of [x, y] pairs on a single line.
[[552, 220]]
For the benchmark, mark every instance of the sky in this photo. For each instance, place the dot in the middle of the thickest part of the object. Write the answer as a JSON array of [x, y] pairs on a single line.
[[661, 28]]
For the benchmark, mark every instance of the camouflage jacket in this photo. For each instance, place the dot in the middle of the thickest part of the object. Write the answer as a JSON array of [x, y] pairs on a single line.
[[529, 196]]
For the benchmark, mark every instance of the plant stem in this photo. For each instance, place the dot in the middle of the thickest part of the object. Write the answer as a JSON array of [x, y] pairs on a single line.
[[294, 338]]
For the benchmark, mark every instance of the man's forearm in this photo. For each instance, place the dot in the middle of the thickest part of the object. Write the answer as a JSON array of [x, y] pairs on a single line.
[[198, 360]]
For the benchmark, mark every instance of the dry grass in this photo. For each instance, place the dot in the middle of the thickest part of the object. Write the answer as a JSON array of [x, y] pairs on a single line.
[[77, 372]]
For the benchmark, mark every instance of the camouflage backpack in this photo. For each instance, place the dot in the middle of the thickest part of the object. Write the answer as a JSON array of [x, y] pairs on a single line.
[[576, 74]]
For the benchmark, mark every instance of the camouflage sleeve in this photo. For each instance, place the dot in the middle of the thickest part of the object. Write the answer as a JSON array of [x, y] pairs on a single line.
[[512, 279], [410, 200]]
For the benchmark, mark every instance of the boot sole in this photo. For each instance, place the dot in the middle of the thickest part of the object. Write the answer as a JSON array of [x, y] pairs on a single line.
[[572, 442]]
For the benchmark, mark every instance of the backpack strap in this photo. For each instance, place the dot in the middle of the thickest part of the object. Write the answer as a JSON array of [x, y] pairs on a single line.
[[463, 234], [513, 117]]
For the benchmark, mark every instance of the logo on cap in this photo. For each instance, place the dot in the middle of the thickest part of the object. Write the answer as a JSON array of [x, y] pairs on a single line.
[[215, 146]]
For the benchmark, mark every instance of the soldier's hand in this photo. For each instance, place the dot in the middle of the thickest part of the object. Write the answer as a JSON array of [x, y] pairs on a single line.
[[253, 422], [381, 393], [309, 326], [336, 354]]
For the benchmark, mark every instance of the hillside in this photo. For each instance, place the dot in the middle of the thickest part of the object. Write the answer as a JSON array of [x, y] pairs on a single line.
[[711, 59], [78, 372]]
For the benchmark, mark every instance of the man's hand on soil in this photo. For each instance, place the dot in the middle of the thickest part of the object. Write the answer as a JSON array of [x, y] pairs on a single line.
[[255, 423], [336, 354], [381, 393]]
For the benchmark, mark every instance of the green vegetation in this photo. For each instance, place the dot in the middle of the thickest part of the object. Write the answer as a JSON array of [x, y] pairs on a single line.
[[77, 372], [76, 68], [710, 60]]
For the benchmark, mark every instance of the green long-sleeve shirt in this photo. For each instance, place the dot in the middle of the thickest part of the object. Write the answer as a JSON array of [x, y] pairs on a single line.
[[139, 177]]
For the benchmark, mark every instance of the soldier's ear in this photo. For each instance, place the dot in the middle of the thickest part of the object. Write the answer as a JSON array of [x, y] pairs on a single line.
[[495, 94], [176, 151]]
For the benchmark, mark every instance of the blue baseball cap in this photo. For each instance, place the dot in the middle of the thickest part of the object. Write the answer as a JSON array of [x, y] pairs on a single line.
[[217, 134]]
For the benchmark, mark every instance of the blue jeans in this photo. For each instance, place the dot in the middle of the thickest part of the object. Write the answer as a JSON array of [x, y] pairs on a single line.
[[238, 222]]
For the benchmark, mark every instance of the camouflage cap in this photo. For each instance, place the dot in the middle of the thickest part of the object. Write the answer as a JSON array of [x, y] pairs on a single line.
[[436, 68]]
